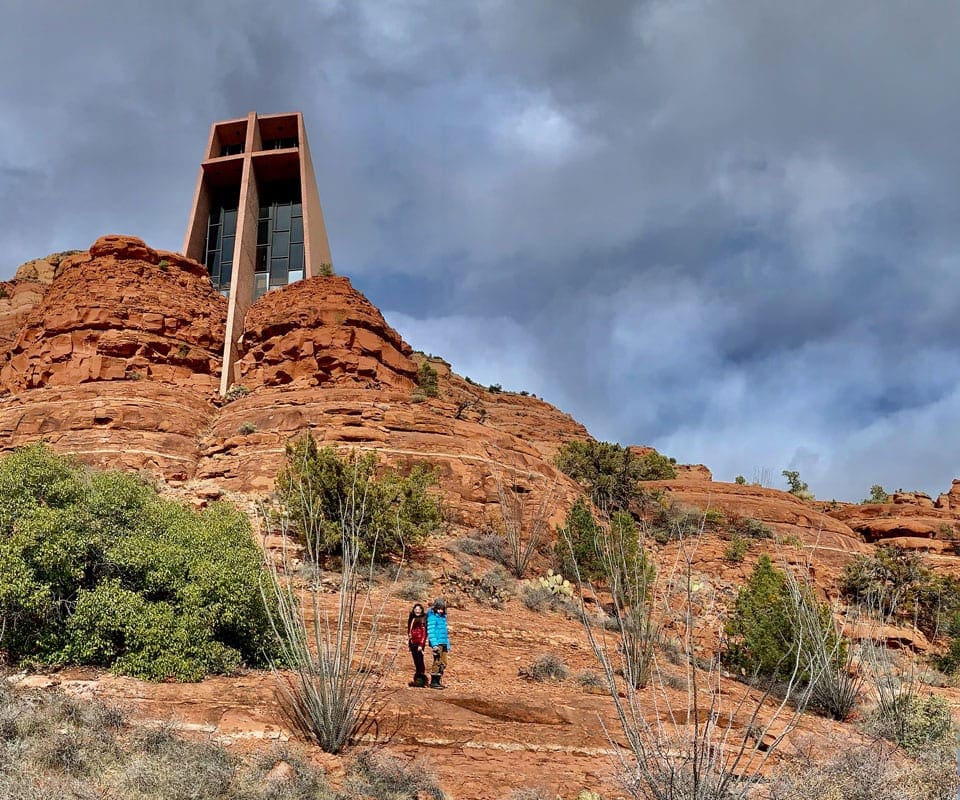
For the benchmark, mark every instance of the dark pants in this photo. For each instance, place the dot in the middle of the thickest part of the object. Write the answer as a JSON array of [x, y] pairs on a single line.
[[420, 668]]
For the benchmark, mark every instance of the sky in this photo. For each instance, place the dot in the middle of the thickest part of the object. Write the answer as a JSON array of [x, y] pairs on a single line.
[[730, 230]]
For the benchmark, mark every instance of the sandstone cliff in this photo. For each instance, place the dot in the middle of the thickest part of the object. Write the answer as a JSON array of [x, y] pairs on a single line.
[[118, 360]]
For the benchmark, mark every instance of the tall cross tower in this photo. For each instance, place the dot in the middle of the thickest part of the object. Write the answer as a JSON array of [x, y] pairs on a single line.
[[256, 221]]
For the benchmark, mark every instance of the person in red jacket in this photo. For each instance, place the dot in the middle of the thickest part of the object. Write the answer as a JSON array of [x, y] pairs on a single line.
[[417, 640]]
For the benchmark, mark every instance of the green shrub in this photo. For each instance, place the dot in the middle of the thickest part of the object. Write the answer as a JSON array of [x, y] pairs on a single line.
[[894, 580], [607, 471], [656, 467], [765, 637], [797, 487], [736, 549], [96, 568], [576, 547], [611, 473], [322, 491], [235, 392], [427, 380], [877, 495], [740, 480], [671, 520]]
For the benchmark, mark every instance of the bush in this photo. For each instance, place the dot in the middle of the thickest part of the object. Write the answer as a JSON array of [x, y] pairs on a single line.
[[871, 772], [61, 747], [877, 495], [765, 638], [607, 471], [96, 568], [540, 598], [916, 723], [657, 467], [590, 680], [576, 547], [796, 486], [322, 491], [235, 392], [417, 587], [427, 380], [894, 581], [485, 543], [549, 668], [380, 776], [671, 521], [736, 549]]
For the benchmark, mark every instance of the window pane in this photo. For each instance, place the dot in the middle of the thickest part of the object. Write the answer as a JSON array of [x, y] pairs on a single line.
[[296, 229], [214, 264], [278, 272], [263, 232], [296, 275], [297, 210], [281, 244], [261, 258], [259, 285], [281, 222], [226, 271], [213, 237], [296, 256], [229, 222], [228, 247], [264, 212]]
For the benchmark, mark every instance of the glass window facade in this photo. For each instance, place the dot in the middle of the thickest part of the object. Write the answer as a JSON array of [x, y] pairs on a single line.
[[221, 235], [231, 149], [279, 238]]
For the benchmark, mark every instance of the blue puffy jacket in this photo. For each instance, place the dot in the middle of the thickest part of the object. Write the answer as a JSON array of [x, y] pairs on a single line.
[[437, 629]]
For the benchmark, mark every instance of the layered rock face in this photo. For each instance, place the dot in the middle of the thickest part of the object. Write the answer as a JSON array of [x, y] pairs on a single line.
[[122, 311], [290, 338], [17, 299], [119, 359], [803, 534]]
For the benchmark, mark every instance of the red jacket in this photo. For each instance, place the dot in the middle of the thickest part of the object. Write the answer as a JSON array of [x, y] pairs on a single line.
[[418, 633]]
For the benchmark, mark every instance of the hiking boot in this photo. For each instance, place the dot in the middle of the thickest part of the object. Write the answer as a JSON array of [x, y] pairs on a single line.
[[435, 682]]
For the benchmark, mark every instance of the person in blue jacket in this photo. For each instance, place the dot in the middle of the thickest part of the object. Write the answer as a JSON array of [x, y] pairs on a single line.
[[439, 641]]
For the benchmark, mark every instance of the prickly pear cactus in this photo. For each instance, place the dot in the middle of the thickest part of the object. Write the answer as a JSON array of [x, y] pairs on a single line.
[[555, 583]]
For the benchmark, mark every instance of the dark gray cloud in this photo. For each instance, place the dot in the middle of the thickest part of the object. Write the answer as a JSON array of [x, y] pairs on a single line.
[[725, 229]]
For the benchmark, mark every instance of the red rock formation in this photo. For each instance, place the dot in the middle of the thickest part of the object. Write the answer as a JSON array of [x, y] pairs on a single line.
[[122, 311], [322, 332], [132, 425], [826, 542], [43, 270], [17, 299], [316, 355]]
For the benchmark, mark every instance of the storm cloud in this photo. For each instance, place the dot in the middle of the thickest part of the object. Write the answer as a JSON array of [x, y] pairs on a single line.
[[726, 229]]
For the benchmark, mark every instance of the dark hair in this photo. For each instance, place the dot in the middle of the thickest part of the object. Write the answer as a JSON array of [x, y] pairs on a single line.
[[412, 615]]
